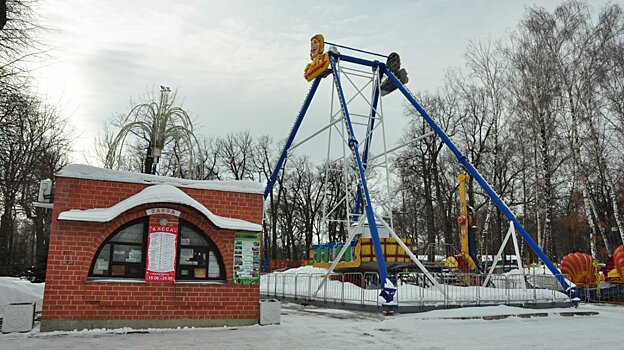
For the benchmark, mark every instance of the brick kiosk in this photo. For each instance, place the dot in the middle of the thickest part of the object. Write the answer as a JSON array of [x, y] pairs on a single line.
[[137, 250]]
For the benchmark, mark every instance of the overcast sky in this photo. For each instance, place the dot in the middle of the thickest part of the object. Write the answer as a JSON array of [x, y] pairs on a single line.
[[238, 64]]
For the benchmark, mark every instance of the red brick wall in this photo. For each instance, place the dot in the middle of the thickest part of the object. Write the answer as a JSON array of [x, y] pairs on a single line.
[[70, 296]]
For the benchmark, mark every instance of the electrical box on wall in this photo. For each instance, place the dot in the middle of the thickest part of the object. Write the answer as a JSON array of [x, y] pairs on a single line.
[[45, 191]]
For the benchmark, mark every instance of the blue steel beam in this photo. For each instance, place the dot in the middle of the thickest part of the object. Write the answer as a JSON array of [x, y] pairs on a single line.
[[477, 176], [386, 292], [367, 142], [356, 60], [357, 50], [291, 137]]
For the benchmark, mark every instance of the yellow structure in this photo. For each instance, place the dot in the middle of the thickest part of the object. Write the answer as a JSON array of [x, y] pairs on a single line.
[[462, 261], [463, 212], [364, 254], [614, 276]]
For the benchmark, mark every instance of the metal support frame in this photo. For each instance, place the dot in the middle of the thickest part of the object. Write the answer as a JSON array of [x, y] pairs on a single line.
[[368, 141], [291, 137], [511, 232], [475, 174], [413, 257], [388, 288], [339, 257]]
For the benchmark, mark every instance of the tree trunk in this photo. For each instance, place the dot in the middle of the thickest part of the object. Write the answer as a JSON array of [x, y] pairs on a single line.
[[593, 233], [603, 233], [6, 233], [548, 243], [615, 205], [429, 220], [149, 160]]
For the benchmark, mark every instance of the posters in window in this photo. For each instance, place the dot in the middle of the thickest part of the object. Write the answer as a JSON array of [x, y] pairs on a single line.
[[246, 258], [161, 253]]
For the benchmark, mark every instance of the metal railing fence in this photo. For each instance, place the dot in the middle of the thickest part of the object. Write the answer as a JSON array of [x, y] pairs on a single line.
[[414, 289]]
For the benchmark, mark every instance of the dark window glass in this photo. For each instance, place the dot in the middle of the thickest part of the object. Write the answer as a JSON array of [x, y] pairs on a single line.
[[198, 257], [123, 254]]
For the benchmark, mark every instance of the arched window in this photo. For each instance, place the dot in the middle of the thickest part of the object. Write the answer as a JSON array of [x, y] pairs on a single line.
[[123, 254], [198, 256]]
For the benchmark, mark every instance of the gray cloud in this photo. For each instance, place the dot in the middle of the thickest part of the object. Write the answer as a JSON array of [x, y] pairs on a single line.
[[239, 64]]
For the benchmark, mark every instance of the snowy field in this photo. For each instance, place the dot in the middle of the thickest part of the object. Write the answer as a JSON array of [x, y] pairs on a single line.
[[318, 328], [308, 327]]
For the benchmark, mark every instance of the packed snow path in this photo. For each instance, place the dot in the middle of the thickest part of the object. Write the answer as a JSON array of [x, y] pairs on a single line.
[[318, 328]]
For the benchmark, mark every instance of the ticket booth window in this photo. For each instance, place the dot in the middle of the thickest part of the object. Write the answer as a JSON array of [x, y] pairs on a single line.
[[123, 254], [198, 257]]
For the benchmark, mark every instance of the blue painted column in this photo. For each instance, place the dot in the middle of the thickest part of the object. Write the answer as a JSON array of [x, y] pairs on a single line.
[[386, 293], [477, 176], [291, 137], [367, 143]]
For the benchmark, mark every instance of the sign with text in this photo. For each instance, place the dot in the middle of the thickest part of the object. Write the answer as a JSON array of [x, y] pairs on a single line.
[[161, 253], [246, 258], [165, 211]]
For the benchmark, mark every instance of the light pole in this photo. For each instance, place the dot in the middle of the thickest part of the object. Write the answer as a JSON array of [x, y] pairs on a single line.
[[158, 144]]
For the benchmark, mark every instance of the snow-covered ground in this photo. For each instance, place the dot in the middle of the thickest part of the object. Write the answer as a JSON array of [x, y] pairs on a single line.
[[308, 327], [318, 328]]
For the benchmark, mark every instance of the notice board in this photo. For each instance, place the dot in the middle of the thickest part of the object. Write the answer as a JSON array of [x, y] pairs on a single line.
[[161, 253], [247, 258]]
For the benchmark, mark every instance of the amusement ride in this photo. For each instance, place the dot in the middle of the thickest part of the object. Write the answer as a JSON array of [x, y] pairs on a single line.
[[372, 243]]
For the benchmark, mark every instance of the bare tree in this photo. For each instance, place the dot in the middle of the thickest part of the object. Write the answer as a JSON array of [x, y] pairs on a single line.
[[208, 160], [309, 201], [34, 143], [421, 165], [537, 96], [18, 41], [235, 153]]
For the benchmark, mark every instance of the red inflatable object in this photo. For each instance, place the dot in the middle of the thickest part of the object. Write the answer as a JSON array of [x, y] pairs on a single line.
[[618, 260], [580, 267]]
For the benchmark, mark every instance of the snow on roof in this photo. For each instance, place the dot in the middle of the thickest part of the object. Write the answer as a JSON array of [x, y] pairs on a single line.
[[81, 171], [163, 193]]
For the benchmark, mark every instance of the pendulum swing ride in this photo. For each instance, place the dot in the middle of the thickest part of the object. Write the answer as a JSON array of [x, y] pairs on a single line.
[[374, 234]]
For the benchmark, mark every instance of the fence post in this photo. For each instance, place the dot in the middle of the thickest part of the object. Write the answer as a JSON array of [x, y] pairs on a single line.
[[445, 280], [325, 291], [422, 290], [534, 288], [342, 288], [275, 287], [478, 288], [398, 287], [296, 284], [362, 287], [379, 280], [506, 289]]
